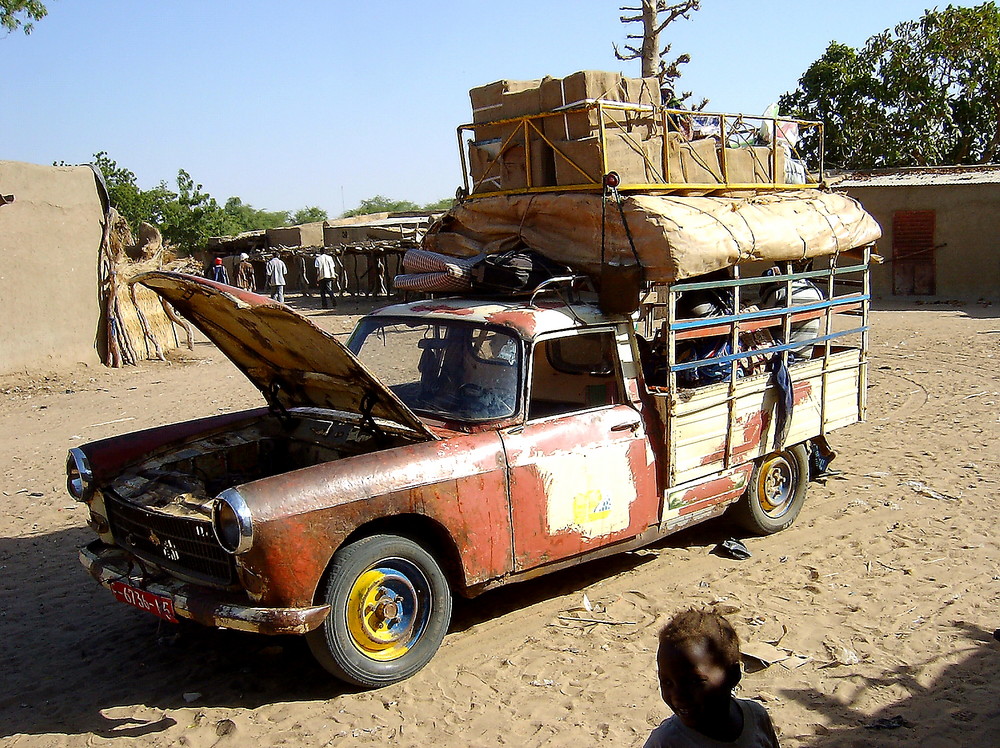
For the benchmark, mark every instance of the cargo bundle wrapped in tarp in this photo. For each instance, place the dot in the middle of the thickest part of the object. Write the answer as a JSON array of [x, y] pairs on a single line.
[[675, 237]]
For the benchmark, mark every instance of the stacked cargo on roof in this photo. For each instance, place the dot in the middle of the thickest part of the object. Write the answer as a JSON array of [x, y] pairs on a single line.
[[568, 132], [564, 127]]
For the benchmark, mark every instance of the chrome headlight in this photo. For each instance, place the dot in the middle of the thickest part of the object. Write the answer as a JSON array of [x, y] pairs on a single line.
[[231, 522], [79, 478]]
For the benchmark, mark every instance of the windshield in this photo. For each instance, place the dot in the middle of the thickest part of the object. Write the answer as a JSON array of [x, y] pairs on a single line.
[[452, 370]]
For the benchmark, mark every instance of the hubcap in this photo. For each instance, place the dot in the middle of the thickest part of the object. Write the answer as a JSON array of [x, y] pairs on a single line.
[[776, 485], [387, 609]]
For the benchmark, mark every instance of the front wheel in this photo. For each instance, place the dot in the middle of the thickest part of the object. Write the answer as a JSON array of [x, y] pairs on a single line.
[[390, 606], [776, 492]]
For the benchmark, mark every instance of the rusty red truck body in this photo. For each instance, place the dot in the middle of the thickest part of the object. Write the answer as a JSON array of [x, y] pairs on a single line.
[[452, 446]]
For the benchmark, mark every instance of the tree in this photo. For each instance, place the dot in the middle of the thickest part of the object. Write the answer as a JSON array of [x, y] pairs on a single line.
[[16, 14], [442, 204], [381, 204], [134, 204], [650, 52], [240, 217], [192, 216], [189, 216], [925, 93], [309, 214]]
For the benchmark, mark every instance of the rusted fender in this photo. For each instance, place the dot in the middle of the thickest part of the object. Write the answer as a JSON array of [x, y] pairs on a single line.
[[301, 518]]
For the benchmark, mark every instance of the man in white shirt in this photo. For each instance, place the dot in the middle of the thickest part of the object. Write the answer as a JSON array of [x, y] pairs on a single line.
[[326, 274], [276, 271]]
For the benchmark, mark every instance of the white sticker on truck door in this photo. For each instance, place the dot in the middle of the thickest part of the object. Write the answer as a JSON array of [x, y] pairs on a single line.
[[589, 493]]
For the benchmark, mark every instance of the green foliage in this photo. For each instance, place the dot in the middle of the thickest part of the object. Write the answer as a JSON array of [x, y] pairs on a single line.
[[240, 217], [192, 216], [134, 204], [443, 204], [925, 93], [381, 204], [16, 14], [309, 214], [189, 216]]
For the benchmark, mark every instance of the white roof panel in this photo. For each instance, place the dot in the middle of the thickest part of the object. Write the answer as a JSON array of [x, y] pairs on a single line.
[[919, 176]]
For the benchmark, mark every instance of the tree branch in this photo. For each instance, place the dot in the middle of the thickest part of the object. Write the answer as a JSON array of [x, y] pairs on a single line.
[[679, 10], [991, 148], [634, 54]]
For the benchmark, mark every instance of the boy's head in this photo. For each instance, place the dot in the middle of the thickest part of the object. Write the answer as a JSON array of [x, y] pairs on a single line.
[[698, 662]]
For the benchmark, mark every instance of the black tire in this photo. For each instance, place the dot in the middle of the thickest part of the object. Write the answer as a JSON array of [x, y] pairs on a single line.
[[776, 492], [390, 607]]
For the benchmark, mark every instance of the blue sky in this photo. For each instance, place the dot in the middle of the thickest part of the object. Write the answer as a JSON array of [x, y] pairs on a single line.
[[325, 103]]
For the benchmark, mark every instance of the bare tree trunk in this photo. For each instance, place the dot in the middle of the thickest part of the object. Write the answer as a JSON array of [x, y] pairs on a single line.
[[650, 40], [655, 16]]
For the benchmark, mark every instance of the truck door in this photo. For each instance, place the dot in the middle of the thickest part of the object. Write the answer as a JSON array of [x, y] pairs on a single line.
[[581, 468]]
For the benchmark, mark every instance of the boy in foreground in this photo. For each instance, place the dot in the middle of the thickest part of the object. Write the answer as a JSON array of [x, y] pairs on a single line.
[[698, 662]]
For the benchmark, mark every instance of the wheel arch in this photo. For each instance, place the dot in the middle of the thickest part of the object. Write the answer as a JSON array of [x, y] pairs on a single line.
[[421, 529]]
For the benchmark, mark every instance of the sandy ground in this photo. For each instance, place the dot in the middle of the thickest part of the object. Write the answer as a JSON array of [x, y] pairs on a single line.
[[884, 594]]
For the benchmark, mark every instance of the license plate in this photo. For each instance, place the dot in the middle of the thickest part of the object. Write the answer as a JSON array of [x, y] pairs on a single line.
[[147, 601]]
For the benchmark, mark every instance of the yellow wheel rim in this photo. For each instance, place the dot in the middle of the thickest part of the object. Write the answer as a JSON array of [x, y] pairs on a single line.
[[776, 481], [386, 612]]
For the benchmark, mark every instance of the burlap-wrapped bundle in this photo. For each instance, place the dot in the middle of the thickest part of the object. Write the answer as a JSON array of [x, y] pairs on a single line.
[[675, 237]]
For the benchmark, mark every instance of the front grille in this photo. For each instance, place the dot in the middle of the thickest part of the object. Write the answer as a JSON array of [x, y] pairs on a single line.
[[183, 545]]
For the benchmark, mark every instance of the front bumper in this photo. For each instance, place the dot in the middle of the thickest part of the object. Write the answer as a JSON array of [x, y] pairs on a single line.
[[204, 605]]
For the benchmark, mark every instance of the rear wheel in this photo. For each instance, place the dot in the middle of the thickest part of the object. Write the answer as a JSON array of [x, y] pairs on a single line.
[[776, 492], [390, 606]]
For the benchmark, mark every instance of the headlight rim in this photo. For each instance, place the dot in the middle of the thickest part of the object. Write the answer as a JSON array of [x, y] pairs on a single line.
[[80, 488], [235, 501]]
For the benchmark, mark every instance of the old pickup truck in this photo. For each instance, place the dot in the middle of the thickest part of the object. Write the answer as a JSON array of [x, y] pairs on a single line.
[[453, 446]]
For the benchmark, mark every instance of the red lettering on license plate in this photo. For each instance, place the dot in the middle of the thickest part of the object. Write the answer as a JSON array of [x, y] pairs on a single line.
[[147, 601]]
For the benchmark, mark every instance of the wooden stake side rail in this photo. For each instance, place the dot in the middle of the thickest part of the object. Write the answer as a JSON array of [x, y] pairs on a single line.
[[721, 426]]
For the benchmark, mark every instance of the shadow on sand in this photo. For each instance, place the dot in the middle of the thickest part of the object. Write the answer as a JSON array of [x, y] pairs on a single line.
[[961, 706], [70, 652]]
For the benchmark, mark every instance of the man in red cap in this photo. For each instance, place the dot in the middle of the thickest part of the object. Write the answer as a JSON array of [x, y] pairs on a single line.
[[218, 272]]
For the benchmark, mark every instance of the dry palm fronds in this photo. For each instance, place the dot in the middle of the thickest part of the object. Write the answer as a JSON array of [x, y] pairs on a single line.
[[137, 324]]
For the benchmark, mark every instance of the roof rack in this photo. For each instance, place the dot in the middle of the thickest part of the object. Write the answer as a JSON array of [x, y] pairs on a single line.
[[552, 285], [654, 149]]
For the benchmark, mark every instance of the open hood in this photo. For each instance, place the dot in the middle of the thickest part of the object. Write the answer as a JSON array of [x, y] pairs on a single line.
[[289, 359]]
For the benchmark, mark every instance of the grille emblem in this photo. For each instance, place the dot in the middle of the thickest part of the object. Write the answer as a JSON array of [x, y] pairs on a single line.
[[170, 551]]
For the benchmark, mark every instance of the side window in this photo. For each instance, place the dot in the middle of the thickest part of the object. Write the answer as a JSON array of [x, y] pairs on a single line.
[[573, 373]]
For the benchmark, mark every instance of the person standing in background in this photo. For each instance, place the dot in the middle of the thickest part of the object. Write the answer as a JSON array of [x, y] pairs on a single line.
[[218, 272], [326, 273], [300, 260], [244, 273], [276, 272]]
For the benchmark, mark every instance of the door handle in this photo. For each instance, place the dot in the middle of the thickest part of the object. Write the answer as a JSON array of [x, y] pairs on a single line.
[[633, 427]]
